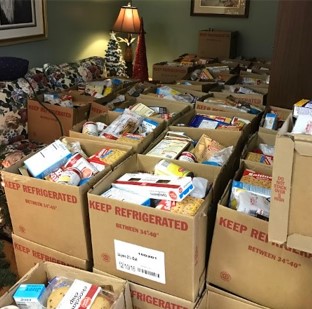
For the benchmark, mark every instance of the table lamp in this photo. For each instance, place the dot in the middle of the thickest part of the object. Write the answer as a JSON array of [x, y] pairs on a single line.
[[128, 21]]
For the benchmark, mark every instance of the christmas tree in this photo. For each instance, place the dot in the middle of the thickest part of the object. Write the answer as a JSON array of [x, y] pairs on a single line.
[[115, 64], [140, 70]]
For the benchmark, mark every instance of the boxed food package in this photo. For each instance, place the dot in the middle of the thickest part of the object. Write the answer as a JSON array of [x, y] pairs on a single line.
[[39, 117], [136, 241], [54, 214], [28, 253], [244, 262], [114, 292], [290, 215], [217, 44]]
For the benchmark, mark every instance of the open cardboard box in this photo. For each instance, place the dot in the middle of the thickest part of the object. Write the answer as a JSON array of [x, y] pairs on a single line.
[[53, 214], [108, 118], [44, 272], [155, 248], [244, 262], [291, 214]]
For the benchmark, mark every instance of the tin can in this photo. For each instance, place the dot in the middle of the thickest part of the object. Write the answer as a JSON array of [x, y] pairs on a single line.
[[187, 156], [79, 162], [70, 176], [165, 167], [90, 128]]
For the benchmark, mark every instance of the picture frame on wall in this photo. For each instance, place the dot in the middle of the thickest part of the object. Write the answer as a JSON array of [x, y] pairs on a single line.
[[22, 21], [222, 8]]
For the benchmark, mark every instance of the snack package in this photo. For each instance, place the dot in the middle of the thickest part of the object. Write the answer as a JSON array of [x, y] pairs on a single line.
[[67, 293], [220, 157], [206, 148], [127, 122], [261, 158], [257, 179]]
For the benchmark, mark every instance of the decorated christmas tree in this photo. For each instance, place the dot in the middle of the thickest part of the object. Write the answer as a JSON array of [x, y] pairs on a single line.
[[115, 64], [140, 70]]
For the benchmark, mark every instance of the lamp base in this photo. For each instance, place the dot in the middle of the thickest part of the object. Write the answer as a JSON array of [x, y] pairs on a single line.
[[128, 56]]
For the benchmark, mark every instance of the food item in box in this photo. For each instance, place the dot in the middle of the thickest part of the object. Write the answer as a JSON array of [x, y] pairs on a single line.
[[105, 156], [30, 296], [270, 121], [251, 177], [67, 293], [142, 110], [220, 157], [261, 158], [206, 148]]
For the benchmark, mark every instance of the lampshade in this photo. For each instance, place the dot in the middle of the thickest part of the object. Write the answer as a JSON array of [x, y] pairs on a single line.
[[128, 20]]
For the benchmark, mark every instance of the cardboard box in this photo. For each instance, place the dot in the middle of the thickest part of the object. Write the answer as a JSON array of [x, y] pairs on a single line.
[[282, 115], [177, 108], [170, 72], [28, 253], [146, 298], [290, 219], [253, 144], [217, 44], [243, 261], [220, 299], [226, 138], [197, 85], [39, 118], [52, 214], [44, 272], [136, 241], [247, 130], [108, 118]]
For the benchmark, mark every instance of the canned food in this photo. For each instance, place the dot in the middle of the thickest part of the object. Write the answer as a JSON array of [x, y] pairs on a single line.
[[187, 156], [90, 128], [70, 176], [79, 162], [165, 167]]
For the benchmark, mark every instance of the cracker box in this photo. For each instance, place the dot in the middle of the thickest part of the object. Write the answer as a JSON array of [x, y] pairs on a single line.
[[39, 117], [44, 272], [28, 253], [108, 118], [220, 299], [53, 214], [136, 241], [217, 44], [244, 262], [290, 220]]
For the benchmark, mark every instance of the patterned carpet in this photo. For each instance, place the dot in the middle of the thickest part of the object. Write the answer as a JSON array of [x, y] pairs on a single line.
[[8, 270]]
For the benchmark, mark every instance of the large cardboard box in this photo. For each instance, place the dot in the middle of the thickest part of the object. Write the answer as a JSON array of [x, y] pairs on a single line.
[[253, 143], [39, 117], [52, 214], [291, 215], [177, 109], [108, 118], [217, 44], [170, 72], [220, 299], [282, 115], [158, 249], [28, 253], [46, 271], [203, 86], [243, 261], [146, 298]]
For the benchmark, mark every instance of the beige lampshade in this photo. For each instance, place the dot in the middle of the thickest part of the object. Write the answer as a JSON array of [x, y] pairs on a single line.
[[128, 20]]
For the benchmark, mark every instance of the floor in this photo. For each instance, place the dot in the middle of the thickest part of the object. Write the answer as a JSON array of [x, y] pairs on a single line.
[[8, 270]]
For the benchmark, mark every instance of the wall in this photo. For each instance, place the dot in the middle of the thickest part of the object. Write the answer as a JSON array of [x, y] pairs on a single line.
[[80, 28]]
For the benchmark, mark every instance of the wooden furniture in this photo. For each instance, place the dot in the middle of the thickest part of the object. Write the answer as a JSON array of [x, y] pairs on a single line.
[[291, 74]]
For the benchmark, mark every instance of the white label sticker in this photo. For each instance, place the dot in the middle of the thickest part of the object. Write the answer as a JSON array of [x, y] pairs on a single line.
[[140, 261], [80, 295]]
